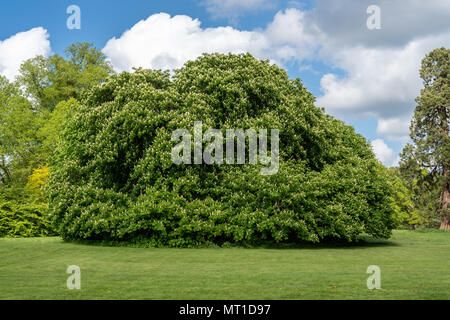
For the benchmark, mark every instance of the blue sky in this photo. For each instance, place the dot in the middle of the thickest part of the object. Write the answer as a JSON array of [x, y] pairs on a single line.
[[368, 78]]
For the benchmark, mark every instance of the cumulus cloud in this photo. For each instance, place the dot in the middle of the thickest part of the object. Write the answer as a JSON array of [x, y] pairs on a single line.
[[378, 81], [383, 153], [233, 9], [20, 47], [165, 42], [395, 129], [291, 36], [379, 68]]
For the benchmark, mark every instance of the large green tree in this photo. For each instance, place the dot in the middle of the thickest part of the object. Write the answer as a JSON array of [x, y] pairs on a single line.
[[430, 150], [51, 80], [34, 108], [113, 178]]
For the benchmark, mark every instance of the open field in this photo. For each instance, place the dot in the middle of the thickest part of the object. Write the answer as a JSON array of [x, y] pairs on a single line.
[[414, 265]]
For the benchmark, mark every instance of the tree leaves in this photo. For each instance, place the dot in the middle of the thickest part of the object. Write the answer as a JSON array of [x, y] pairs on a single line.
[[112, 176]]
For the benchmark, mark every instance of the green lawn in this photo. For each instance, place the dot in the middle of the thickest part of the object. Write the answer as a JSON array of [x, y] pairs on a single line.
[[414, 265]]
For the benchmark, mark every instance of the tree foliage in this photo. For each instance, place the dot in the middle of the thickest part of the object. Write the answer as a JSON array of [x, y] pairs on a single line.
[[23, 215], [33, 110], [18, 133], [37, 180], [430, 150], [403, 200], [112, 177], [51, 80]]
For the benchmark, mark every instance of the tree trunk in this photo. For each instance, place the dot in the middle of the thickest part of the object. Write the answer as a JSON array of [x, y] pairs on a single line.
[[445, 219], [445, 223]]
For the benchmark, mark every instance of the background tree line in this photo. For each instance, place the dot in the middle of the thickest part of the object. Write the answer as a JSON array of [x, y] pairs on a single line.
[[34, 108]]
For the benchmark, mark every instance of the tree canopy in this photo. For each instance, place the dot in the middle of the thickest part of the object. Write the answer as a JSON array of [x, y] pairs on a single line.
[[34, 108], [112, 176], [51, 80]]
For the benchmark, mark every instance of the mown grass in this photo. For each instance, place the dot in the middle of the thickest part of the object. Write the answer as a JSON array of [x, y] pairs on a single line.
[[414, 265]]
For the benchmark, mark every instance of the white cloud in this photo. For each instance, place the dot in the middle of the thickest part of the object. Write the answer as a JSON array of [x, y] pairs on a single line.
[[383, 153], [232, 9], [379, 69], [396, 129], [20, 47], [378, 81], [291, 32], [165, 42]]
